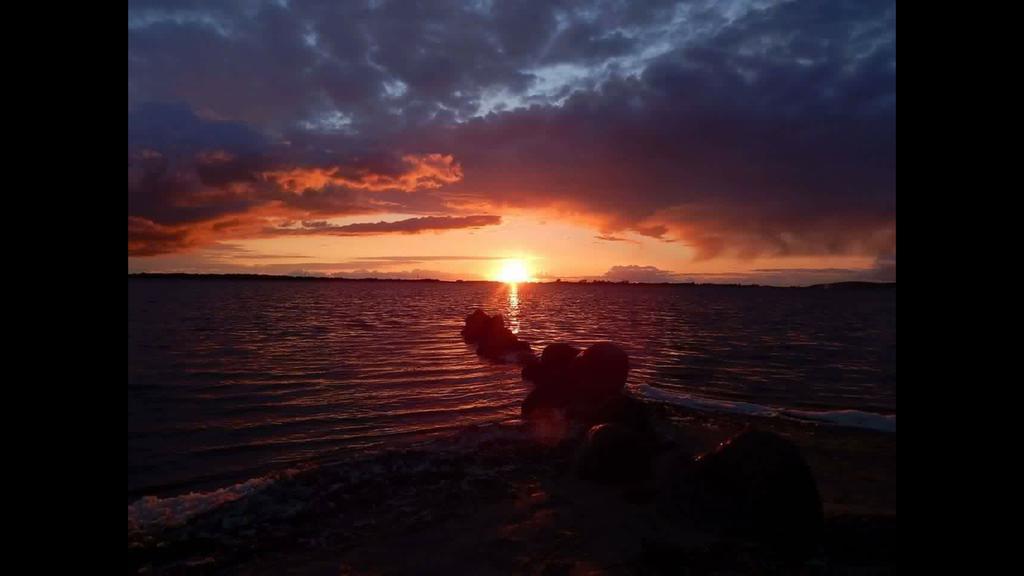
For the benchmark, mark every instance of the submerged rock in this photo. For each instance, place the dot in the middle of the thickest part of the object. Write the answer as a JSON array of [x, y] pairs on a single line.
[[494, 341], [615, 453], [479, 324], [503, 345], [757, 484], [474, 325]]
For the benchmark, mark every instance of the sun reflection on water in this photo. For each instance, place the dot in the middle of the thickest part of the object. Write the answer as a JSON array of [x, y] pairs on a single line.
[[512, 310]]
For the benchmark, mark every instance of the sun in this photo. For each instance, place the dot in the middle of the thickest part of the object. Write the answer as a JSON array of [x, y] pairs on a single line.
[[513, 272]]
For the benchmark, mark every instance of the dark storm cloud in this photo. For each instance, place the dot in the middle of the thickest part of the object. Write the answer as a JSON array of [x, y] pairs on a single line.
[[736, 128], [371, 66], [775, 136], [379, 64]]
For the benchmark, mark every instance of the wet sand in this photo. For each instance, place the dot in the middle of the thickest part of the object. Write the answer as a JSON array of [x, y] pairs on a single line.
[[513, 505]]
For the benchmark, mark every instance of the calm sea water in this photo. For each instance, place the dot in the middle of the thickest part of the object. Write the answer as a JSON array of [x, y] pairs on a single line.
[[229, 380]]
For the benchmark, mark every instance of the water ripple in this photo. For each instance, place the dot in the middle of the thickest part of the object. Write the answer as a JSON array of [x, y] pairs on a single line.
[[229, 378]]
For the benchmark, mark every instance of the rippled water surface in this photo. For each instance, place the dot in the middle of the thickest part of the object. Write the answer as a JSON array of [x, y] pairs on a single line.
[[230, 379]]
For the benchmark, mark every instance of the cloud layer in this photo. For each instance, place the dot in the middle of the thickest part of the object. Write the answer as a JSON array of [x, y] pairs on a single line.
[[738, 129], [408, 226]]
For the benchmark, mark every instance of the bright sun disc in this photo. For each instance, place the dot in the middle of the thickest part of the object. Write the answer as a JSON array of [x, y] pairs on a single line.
[[513, 272]]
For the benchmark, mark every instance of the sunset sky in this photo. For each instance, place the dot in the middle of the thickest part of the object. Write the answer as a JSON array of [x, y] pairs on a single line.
[[650, 141]]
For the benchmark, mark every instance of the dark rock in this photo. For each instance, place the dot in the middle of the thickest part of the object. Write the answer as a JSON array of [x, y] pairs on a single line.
[[660, 556], [758, 485], [498, 344], [615, 453], [673, 470], [600, 372], [618, 409], [861, 540], [532, 371], [588, 387], [494, 341], [544, 399], [553, 369], [559, 355], [476, 325]]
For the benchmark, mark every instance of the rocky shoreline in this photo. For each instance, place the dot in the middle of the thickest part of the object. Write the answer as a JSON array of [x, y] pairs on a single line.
[[511, 505]]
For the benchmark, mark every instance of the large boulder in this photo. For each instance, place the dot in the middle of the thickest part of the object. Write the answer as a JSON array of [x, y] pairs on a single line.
[[758, 485], [588, 387], [553, 368], [600, 371], [615, 453], [559, 356]]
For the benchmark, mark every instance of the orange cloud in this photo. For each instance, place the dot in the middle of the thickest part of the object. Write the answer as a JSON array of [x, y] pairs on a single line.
[[149, 238], [407, 226], [180, 202], [421, 171]]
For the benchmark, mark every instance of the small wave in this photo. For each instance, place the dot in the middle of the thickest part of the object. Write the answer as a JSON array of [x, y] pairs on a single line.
[[847, 418], [850, 418], [152, 512]]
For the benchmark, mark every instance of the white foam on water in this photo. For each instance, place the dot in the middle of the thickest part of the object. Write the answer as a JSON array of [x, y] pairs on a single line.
[[848, 418], [151, 511], [851, 418]]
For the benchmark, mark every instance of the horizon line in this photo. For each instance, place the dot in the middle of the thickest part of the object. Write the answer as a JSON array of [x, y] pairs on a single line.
[[258, 276]]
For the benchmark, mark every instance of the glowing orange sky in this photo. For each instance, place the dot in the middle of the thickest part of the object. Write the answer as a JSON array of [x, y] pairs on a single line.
[[551, 248]]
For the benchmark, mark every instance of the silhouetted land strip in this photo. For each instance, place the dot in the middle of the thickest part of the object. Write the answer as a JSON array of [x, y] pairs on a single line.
[[287, 278], [854, 286]]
